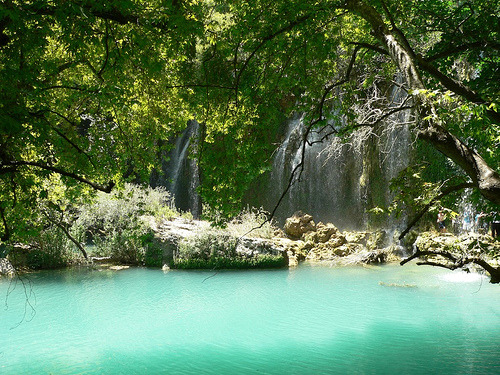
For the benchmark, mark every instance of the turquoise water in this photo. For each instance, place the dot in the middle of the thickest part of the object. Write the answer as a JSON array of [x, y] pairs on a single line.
[[310, 320]]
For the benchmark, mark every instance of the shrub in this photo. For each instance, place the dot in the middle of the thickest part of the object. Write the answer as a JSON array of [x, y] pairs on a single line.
[[238, 262], [217, 250], [251, 223], [208, 245], [115, 223], [49, 250]]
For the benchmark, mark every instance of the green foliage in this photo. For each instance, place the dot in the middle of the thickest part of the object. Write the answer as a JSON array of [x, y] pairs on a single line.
[[153, 256], [260, 261], [215, 249], [119, 224], [208, 245], [251, 223], [50, 249], [91, 90]]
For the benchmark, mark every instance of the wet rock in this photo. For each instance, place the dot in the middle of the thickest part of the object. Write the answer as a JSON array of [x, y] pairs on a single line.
[[357, 237], [292, 259], [377, 240], [471, 244], [376, 256], [337, 241]]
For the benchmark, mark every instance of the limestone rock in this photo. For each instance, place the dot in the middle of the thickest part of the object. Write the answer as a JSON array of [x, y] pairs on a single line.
[[299, 224], [357, 237], [311, 237], [325, 232], [376, 256], [6, 267], [336, 241], [292, 259], [468, 243], [377, 240]]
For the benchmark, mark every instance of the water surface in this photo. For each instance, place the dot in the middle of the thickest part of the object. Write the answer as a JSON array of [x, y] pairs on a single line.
[[310, 320]]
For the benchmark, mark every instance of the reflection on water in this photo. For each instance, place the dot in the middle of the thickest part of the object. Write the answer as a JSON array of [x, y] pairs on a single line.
[[300, 321]]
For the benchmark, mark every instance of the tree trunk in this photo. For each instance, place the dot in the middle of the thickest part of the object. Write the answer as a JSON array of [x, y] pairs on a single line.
[[485, 178]]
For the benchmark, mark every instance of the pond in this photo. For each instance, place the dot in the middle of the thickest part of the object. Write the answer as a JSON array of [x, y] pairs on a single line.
[[308, 320]]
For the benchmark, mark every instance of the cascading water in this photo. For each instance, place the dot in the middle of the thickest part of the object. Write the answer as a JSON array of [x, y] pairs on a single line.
[[179, 172], [340, 180]]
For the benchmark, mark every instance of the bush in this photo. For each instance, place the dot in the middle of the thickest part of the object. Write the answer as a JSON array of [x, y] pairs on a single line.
[[217, 250], [208, 245], [51, 249], [238, 262], [117, 223], [251, 223]]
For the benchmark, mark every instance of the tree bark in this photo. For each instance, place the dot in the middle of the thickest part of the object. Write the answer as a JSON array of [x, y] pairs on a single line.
[[485, 178]]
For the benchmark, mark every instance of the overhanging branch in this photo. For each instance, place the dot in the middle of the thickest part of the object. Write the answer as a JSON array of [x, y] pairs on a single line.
[[454, 262], [444, 192], [13, 167]]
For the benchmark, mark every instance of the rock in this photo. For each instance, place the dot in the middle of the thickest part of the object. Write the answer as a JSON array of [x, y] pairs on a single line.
[[311, 237], [376, 256], [6, 267], [468, 244], [377, 240], [258, 246], [100, 259], [357, 237], [292, 259], [118, 268], [336, 241], [299, 224], [342, 250], [324, 232]]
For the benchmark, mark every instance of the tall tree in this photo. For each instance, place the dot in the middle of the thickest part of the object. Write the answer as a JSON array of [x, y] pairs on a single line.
[[311, 54], [82, 93], [89, 87]]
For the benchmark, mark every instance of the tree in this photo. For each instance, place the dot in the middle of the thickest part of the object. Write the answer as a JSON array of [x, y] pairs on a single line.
[[313, 52], [89, 89], [82, 95], [319, 56]]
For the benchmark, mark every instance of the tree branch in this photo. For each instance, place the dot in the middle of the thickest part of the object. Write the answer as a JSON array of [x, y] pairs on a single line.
[[12, 167], [6, 232], [456, 86], [462, 48], [444, 192], [266, 39], [66, 232], [456, 263]]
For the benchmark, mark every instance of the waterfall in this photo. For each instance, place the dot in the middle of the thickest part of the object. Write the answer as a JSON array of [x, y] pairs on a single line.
[[179, 171], [341, 178]]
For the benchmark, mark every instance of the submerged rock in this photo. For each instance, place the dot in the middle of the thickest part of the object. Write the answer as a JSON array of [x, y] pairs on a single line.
[[118, 268]]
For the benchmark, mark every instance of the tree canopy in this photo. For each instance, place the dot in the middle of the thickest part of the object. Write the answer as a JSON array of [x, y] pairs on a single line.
[[91, 90]]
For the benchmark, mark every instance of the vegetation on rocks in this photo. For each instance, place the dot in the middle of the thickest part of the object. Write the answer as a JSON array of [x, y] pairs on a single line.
[[117, 226]]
